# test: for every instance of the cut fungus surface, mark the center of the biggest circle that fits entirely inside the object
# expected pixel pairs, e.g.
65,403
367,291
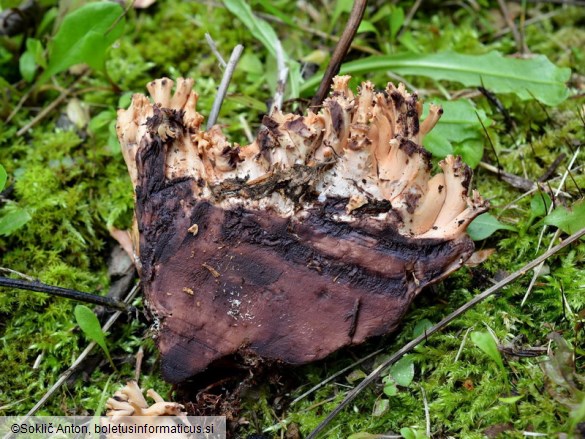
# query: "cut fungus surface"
316,236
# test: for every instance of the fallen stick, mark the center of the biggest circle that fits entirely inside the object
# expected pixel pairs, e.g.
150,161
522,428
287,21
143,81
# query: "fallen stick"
355,18
40,287
223,86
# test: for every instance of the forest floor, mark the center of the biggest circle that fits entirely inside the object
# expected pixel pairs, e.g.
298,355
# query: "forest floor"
506,367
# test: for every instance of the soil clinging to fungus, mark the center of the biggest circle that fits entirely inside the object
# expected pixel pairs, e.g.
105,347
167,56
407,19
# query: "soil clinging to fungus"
316,236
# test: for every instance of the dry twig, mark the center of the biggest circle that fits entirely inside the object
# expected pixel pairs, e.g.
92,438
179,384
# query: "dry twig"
427,413
18,273
282,74
510,22
213,48
335,375
409,17
542,232
40,287
341,49
223,86
47,110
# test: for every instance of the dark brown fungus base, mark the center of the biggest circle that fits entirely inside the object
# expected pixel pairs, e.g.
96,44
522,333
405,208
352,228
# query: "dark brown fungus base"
316,236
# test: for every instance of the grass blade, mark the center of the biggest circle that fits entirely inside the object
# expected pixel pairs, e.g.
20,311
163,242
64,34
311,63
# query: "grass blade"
264,33
535,78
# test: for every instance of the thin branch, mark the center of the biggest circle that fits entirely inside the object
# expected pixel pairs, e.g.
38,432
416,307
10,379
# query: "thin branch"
409,17
530,192
223,86
138,368
558,2
246,128
213,48
44,112
552,168
427,413
49,108
516,181
458,312
355,18
462,345
21,102
530,22
512,179
282,74
511,25
335,375
65,292
320,34
18,273
65,375
542,232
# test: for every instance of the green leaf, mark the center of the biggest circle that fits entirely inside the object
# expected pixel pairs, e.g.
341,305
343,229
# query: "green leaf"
31,59
90,325
485,225
13,219
3,178
380,407
459,131
248,102
46,24
421,326
260,29
356,375
460,120
403,371
408,433
539,207
437,144
27,66
276,12
341,6
410,42
264,33
35,47
471,151
569,220
487,344
101,120
95,420
540,204
363,435
411,433
367,26
511,399
103,398
85,36
390,388
534,78
578,413
396,22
